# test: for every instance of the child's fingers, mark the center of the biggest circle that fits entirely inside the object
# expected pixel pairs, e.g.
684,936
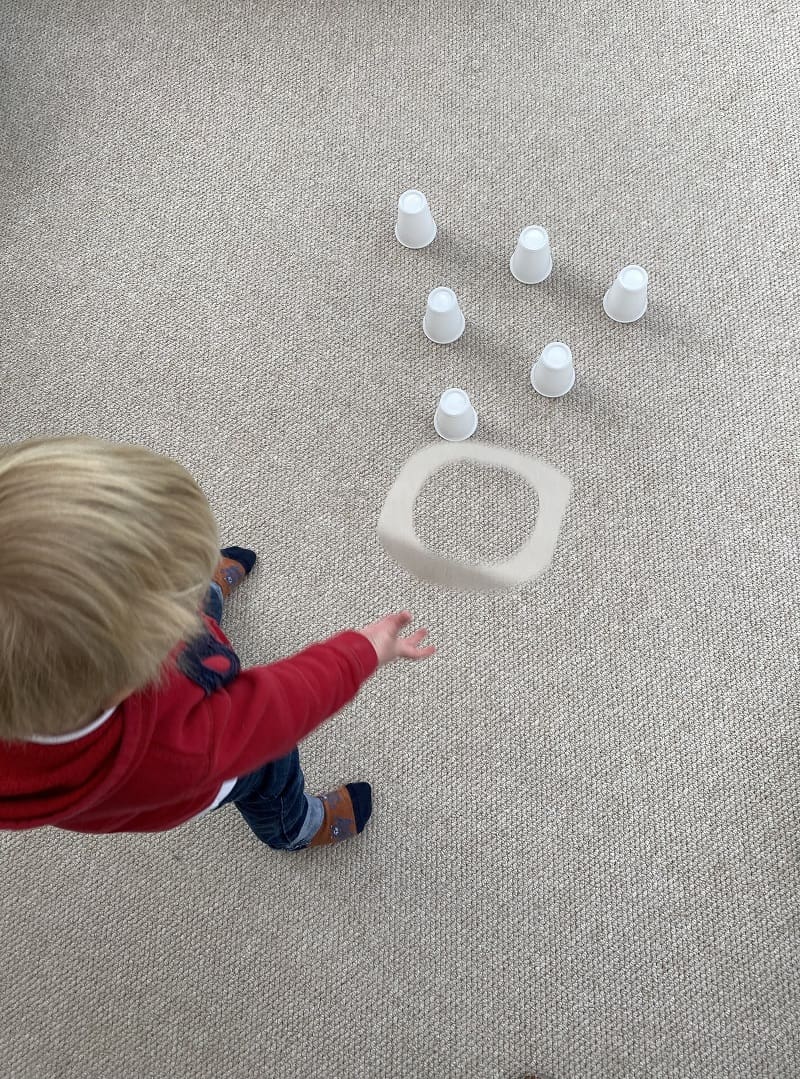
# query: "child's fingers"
410,645
398,621
422,653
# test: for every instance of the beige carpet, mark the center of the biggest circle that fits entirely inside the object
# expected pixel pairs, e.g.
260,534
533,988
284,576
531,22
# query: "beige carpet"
583,860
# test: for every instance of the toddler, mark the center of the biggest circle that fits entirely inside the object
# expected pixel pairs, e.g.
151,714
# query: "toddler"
123,706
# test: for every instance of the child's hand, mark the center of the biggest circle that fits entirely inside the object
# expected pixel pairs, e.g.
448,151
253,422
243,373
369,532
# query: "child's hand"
384,637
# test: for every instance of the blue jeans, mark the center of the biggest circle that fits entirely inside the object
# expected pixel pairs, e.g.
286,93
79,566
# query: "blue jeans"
272,799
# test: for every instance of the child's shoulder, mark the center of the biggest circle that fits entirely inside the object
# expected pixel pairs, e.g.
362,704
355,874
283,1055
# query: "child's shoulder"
209,660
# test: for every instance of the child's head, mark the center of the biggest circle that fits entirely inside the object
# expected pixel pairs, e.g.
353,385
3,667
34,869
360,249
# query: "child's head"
106,552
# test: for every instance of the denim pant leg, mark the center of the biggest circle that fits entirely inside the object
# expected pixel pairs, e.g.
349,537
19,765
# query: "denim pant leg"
272,799
273,802
213,602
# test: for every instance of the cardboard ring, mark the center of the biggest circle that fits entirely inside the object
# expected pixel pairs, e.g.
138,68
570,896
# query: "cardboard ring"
396,525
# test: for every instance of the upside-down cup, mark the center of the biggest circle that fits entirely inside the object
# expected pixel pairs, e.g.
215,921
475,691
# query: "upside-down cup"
455,419
553,374
444,320
626,300
415,225
532,261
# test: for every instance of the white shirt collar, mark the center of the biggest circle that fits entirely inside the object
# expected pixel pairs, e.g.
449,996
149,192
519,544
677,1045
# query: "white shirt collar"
73,736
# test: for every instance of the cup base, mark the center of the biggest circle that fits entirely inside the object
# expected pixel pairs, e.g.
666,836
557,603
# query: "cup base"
622,320
446,340
416,247
530,280
544,393
448,438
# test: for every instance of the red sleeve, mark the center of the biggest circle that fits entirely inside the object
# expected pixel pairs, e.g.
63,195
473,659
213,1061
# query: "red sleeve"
264,712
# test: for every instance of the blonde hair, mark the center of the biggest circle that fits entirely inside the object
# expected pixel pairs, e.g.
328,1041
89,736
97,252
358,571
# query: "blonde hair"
106,552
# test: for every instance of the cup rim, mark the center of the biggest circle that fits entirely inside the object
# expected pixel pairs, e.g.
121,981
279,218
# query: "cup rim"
569,360
533,228
639,270
453,390
412,191
442,288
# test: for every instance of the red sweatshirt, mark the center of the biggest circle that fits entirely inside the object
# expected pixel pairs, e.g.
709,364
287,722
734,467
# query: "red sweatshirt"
162,755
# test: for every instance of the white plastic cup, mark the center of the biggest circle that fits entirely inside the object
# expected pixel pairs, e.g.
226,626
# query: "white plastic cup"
444,320
455,419
415,225
532,261
553,374
626,300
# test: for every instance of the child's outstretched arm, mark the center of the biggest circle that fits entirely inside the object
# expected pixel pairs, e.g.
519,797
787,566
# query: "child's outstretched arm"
386,639
266,711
